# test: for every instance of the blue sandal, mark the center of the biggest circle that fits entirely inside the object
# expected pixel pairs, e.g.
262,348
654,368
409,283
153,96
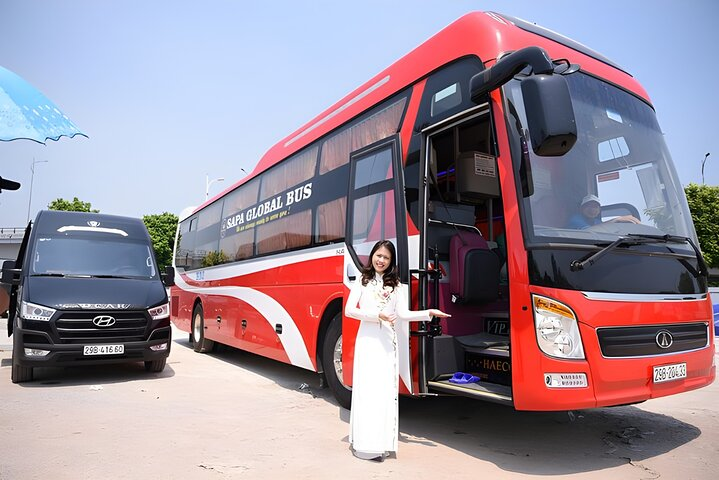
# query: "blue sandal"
462,378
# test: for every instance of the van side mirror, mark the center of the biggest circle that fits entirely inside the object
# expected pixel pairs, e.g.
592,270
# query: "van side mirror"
10,274
168,278
550,116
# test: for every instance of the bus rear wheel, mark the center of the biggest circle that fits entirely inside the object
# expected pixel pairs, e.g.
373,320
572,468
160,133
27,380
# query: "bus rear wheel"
332,362
199,342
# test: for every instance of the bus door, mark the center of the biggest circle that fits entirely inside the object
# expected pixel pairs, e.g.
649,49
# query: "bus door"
375,211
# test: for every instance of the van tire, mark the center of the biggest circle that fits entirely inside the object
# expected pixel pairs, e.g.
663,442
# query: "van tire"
156,366
331,342
199,342
20,374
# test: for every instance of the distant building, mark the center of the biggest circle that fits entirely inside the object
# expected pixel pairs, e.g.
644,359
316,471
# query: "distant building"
10,239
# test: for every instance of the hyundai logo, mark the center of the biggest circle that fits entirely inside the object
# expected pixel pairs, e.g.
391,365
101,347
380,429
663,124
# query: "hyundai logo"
664,339
103,321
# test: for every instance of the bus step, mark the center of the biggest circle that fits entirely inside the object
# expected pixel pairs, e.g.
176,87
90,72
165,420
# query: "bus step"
492,392
483,340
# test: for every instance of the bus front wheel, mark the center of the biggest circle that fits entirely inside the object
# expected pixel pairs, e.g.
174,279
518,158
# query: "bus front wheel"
199,342
332,362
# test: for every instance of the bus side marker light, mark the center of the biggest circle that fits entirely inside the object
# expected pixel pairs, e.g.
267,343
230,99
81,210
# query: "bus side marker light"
565,380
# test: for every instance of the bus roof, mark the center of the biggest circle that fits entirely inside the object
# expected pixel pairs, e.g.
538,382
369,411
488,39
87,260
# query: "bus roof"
483,34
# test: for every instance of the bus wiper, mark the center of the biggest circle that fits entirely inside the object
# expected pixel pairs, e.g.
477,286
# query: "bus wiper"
47,275
703,268
640,239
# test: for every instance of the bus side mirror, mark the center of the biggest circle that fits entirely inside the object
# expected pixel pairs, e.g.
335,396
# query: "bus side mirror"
550,116
168,278
10,274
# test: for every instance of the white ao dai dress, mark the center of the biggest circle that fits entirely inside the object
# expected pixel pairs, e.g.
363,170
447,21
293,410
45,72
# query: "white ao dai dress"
374,413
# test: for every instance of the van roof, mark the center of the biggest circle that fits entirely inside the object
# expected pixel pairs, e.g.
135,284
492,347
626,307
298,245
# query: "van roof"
55,221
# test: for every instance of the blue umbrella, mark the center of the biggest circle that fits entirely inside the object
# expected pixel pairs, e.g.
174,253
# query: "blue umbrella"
25,113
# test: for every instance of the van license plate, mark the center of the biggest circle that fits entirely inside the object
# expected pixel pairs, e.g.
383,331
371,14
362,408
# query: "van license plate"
667,373
103,350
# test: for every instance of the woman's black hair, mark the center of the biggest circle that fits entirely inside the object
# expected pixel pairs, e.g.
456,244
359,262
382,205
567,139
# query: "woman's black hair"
390,277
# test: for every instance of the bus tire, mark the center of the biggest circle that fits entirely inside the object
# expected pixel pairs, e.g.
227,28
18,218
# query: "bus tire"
156,366
199,342
20,374
332,362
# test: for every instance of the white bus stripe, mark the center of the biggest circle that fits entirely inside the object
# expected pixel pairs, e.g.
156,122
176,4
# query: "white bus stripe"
271,311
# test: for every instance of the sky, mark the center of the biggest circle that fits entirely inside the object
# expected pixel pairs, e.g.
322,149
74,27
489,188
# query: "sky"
173,92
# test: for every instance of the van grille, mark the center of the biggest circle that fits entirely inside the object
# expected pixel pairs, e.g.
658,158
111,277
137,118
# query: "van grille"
642,341
78,327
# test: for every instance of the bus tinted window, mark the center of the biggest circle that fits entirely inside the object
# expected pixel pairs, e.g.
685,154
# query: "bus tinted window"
331,220
286,233
207,240
289,173
448,97
336,150
186,243
237,243
374,168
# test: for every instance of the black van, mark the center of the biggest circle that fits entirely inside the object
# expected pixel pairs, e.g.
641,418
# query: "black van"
86,291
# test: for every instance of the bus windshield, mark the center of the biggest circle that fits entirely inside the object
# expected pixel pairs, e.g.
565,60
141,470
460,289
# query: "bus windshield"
618,178
81,256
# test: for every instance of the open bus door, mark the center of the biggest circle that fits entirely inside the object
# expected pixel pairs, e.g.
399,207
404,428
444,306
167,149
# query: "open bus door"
375,211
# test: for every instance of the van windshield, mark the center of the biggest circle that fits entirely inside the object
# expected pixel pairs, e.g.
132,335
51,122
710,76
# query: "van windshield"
92,256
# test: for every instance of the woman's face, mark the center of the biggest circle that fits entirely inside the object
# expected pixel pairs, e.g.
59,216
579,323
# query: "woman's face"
381,259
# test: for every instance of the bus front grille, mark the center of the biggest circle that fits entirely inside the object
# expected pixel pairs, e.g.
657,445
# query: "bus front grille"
650,340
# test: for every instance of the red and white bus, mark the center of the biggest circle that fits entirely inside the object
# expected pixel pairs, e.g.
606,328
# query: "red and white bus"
471,153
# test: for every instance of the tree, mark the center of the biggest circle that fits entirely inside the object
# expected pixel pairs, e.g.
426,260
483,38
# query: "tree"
162,230
704,206
75,205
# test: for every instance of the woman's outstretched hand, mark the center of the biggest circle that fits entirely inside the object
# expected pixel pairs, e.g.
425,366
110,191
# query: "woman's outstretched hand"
433,312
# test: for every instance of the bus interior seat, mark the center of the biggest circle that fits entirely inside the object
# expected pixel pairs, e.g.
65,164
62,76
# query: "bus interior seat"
474,269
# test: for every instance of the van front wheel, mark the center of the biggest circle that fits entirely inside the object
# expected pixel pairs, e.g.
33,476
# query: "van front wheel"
19,373
156,366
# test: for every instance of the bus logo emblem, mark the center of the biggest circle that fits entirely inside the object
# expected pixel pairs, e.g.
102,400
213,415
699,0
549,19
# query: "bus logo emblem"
664,339
93,223
103,321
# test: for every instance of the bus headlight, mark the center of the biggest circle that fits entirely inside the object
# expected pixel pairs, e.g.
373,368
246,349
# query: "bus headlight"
557,329
30,311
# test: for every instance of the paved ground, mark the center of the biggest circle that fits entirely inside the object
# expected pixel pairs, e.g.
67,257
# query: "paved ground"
236,415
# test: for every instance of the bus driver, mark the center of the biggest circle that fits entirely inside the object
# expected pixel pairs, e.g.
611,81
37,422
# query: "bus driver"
590,214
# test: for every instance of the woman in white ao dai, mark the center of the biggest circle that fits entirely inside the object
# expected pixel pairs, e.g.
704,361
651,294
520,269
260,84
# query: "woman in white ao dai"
377,299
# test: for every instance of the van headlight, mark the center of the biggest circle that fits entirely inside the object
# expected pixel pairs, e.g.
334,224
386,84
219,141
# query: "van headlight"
158,313
31,311
557,329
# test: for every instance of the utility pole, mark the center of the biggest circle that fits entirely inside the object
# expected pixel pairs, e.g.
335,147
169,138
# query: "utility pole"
209,182
703,162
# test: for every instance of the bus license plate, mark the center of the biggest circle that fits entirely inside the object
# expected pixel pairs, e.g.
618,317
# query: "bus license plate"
667,373
103,350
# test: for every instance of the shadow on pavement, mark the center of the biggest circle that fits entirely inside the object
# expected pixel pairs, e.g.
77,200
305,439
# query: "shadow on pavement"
538,443
543,443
